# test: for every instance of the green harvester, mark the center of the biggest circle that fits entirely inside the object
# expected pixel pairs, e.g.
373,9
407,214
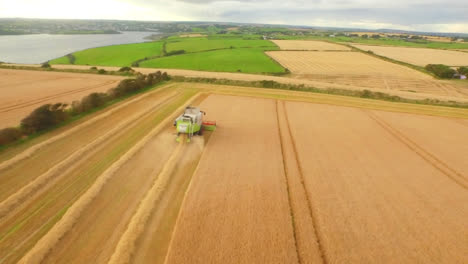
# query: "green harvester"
191,123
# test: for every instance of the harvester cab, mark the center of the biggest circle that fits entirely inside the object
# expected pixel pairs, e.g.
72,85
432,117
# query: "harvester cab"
191,123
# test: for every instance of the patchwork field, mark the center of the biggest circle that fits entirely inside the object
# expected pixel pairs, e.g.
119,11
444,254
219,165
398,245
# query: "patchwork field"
419,56
361,70
23,91
214,53
287,177
117,55
308,45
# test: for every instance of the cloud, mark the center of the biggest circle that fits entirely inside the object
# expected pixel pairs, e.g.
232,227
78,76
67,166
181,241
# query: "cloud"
437,15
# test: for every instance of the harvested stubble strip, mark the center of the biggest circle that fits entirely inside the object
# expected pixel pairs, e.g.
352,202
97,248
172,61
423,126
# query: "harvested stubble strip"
126,246
46,177
30,151
48,241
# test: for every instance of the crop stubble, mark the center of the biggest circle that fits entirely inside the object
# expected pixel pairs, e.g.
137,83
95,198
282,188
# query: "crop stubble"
419,56
44,209
38,160
358,69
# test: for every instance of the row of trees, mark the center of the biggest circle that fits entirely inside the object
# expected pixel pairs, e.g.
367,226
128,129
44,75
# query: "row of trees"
50,115
445,72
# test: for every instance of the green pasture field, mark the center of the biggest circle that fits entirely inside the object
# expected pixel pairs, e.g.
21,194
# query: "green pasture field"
118,55
246,60
228,53
203,44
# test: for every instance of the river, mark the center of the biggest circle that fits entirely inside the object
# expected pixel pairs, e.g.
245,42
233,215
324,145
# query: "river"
40,48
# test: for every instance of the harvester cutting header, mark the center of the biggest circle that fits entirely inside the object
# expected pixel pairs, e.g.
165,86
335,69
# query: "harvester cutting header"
191,123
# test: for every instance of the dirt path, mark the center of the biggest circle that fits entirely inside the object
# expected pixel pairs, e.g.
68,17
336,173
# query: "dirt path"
23,91
236,209
377,200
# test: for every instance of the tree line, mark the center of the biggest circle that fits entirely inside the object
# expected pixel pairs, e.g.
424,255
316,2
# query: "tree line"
445,72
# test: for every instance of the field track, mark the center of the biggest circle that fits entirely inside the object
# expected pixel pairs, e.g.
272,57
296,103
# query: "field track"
308,243
23,91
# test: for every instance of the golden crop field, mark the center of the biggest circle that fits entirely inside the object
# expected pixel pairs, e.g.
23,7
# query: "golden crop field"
360,70
419,56
287,177
308,45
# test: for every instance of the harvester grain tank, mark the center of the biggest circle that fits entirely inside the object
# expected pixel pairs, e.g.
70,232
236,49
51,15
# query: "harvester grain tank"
191,123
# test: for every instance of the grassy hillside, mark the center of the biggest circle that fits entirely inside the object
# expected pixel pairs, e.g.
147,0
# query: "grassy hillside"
245,60
230,53
118,55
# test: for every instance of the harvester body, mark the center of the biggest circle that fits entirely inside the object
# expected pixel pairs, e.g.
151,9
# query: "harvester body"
190,122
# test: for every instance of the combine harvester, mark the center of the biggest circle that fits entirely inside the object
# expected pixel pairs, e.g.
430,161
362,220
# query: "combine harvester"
191,123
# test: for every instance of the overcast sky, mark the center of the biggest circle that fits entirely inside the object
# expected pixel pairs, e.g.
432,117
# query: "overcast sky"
420,15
